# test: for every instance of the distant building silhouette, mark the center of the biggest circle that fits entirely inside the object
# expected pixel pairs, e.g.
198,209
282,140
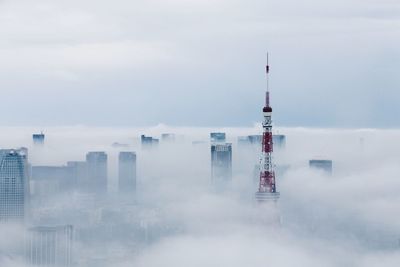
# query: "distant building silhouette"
127,172
14,184
38,139
221,164
79,175
96,172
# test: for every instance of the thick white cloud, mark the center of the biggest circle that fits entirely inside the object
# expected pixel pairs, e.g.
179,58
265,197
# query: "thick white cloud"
347,219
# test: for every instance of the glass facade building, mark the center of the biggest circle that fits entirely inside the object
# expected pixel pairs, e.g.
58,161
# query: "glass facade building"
14,184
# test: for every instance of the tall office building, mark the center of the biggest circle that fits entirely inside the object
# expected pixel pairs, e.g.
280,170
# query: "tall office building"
96,163
38,139
221,164
127,172
14,184
49,246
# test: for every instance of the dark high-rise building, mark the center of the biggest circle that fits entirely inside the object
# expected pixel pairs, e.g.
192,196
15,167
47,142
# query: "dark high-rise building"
96,172
217,137
38,139
325,165
50,246
221,164
14,184
127,172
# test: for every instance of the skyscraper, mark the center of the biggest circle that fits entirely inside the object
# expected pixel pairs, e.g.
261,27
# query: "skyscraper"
221,164
50,246
127,172
14,184
96,172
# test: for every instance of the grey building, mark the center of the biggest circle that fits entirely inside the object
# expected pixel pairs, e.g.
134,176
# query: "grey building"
38,139
49,246
79,174
14,184
221,164
127,172
325,165
96,163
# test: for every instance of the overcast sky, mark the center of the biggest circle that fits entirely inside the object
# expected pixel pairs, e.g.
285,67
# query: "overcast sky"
199,62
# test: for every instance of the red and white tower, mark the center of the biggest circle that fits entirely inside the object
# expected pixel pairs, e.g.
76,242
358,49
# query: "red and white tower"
267,187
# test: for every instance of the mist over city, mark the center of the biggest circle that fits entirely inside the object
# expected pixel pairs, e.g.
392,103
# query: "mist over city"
199,133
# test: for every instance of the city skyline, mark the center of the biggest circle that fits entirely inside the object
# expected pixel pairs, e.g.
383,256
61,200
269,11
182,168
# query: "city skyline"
199,133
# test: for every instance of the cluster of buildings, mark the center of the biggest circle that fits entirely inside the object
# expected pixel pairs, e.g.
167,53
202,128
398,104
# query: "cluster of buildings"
27,193
49,242
88,176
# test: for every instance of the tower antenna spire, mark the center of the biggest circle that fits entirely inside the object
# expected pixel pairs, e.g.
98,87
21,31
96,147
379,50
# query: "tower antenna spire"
267,76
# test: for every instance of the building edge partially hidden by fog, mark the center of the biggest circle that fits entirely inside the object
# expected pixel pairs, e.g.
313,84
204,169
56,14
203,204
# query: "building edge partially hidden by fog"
127,172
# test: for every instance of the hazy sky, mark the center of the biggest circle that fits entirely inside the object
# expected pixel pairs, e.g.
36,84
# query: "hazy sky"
199,62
